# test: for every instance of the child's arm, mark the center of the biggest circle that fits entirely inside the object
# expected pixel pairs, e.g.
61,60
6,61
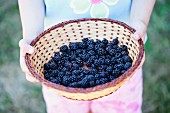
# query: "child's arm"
140,14
32,18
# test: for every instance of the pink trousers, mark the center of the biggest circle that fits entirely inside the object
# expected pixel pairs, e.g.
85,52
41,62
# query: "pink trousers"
127,99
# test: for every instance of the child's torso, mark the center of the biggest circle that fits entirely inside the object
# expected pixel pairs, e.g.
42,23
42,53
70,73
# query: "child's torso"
62,10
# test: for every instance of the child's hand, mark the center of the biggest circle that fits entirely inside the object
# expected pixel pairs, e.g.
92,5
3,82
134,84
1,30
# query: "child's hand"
140,28
25,48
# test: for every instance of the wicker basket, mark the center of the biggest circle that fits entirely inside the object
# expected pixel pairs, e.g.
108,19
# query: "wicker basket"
73,31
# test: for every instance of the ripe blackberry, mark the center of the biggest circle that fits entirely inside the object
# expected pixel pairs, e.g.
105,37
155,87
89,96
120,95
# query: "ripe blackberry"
46,66
107,61
91,52
96,62
64,48
98,42
78,51
65,69
123,48
85,57
97,76
102,75
115,46
112,52
90,78
61,74
73,46
73,78
115,41
58,80
123,71
85,40
53,65
57,54
97,82
109,69
91,47
82,45
74,85
101,51
119,60
101,45
85,71
101,61
117,55
75,66
91,84
91,42
127,59
84,82
93,66
112,78
93,71
105,41
103,80
65,80
123,53
108,57
127,65
80,77
119,50
75,72
89,63
116,73
72,57
120,66
68,73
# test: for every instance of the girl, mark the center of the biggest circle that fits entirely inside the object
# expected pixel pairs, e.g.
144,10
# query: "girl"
37,15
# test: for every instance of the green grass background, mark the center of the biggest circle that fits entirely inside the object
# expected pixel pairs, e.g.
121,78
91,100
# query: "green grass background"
19,96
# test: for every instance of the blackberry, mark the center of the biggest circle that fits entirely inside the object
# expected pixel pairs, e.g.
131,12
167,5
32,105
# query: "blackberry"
79,62
97,82
56,54
68,73
102,67
73,78
120,66
117,55
115,41
101,61
112,78
46,75
75,72
91,47
58,80
53,65
65,80
61,74
112,52
101,51
119,60
127,59
107,61
60,67
93,66
123,53
108,57
85,71
67,65
81,76
72,57
84,82
105,41
91,52
75,66
64,69
123,48
85,57
90,78
91,42
78,51
97,76
74,85
82,45
93,71
109,69
119,50
64,48
73,46
101,45
102,75
85,40
96,62
103,80
98,42
116,73
92,83
89,63
64,54
109,45
46,66
127,65
123,71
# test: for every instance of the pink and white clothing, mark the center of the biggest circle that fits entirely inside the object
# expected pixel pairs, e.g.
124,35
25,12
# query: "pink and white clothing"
127,99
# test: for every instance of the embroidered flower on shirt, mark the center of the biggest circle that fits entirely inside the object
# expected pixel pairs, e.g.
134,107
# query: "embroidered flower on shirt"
98,8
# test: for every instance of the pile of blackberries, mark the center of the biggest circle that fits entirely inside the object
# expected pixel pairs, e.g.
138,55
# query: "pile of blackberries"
88,63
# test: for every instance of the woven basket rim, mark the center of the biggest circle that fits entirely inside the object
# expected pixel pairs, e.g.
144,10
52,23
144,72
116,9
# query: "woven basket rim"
92,89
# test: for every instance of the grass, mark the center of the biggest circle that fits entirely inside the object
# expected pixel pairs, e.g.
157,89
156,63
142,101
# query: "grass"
19,96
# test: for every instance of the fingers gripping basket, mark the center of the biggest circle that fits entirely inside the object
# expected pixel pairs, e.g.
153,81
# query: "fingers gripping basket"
73,31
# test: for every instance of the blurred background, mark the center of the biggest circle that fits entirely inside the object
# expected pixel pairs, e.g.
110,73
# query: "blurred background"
20,96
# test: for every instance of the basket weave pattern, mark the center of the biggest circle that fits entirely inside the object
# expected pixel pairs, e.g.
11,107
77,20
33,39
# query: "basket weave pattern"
73,31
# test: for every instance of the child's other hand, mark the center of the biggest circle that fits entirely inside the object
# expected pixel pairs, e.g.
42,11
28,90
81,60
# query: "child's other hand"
140,28
25,48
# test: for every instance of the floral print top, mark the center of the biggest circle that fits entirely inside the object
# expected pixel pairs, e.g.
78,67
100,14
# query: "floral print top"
62,10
